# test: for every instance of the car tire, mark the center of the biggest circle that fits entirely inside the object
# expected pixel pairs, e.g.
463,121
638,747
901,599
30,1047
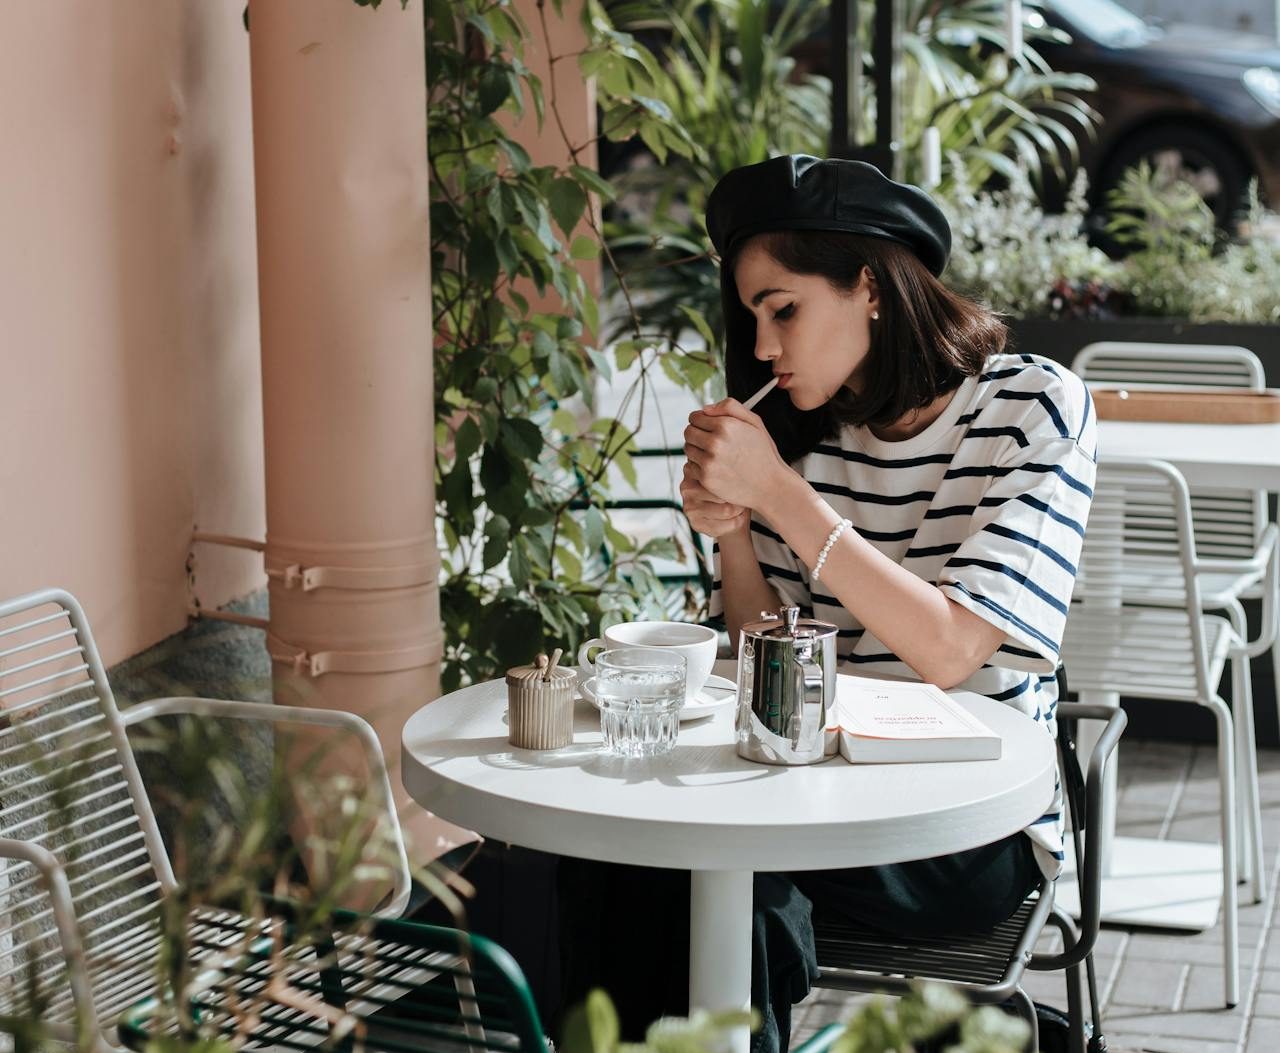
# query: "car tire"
1208,160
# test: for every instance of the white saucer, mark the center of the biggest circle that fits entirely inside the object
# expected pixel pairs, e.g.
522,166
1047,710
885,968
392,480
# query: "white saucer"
716,694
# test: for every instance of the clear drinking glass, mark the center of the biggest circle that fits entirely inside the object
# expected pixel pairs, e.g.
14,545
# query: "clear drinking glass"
640,691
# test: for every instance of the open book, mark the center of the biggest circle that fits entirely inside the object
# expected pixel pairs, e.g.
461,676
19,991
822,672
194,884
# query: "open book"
894,721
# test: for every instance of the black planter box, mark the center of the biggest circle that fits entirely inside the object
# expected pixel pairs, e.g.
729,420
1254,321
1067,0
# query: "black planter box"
1061,340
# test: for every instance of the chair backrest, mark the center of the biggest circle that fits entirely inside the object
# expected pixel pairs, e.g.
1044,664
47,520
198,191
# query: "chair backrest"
69,786
1228,523
1169,365
1135,624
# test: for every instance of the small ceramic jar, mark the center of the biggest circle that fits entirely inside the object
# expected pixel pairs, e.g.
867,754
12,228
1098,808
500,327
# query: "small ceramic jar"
540,712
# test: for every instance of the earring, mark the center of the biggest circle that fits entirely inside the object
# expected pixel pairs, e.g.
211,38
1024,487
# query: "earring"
875,316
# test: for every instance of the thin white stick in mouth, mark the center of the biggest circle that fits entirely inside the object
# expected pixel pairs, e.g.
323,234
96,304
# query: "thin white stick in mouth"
751,402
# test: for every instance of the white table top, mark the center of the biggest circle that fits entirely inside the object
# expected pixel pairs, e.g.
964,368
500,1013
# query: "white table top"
703,807
1226,455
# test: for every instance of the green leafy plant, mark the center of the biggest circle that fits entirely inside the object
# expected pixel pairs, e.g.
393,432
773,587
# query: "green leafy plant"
997,115
1180,264
1173,233
523,464
306,835
732,81
1024,262
593,1027
729,78
226,837
882,1025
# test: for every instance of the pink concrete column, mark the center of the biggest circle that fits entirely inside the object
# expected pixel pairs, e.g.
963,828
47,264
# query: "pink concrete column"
340,151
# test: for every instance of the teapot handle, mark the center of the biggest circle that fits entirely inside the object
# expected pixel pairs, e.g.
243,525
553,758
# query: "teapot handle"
806,723
795,719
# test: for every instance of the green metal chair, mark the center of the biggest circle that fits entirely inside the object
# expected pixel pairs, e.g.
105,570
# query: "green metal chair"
822,1041
405,986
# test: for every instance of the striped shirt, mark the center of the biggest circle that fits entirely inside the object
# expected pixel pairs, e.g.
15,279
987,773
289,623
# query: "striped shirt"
989,503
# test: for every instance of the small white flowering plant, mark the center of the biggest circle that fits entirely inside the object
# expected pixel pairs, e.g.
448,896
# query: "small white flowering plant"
1020,260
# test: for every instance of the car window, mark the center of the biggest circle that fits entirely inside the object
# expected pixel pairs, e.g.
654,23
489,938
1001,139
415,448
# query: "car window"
1103,21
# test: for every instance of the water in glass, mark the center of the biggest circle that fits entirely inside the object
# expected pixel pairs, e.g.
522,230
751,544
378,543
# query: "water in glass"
640,692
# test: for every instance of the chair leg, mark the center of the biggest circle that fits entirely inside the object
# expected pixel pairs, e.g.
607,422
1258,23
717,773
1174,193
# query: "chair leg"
1227,785
1027,1010
1247,759
1244,844
1078,1039
1252,860
1275,672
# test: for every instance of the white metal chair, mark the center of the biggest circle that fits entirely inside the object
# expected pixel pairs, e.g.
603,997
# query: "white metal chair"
1123,363
1158,642
82,866
1233,536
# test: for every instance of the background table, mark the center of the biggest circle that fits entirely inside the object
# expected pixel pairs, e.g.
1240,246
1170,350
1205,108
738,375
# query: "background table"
1162,883
1244,456
705,809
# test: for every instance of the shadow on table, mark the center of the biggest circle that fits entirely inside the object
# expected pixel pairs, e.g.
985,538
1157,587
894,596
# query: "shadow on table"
686,765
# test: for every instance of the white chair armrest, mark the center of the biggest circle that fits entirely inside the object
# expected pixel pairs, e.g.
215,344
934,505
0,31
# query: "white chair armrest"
1266,558
64,919
1270,626
1262,556
326,718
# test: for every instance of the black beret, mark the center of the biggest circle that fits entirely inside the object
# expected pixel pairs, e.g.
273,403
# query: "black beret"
799,192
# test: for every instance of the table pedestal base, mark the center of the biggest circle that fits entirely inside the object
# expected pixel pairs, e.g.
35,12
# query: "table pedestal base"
720,912
1154,884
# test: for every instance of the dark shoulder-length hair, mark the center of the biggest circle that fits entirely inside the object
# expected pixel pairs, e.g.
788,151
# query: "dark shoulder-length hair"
927,341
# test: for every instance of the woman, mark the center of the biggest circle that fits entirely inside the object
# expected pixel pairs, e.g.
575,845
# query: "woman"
908,481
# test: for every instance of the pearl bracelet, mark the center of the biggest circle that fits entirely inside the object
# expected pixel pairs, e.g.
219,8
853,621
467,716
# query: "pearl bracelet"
836,531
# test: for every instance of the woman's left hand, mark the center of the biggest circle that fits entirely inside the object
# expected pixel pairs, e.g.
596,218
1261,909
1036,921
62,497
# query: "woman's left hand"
732,454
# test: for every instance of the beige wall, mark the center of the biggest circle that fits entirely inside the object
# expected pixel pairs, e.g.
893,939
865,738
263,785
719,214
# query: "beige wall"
130,396
130,387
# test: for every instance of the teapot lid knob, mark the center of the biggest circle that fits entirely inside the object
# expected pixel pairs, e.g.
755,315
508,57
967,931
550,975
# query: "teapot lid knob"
790,614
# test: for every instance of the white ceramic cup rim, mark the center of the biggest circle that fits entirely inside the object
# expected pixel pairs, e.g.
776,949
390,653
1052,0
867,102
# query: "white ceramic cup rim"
684,638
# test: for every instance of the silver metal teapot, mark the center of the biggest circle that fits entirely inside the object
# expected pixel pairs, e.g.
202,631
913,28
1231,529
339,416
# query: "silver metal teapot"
786,682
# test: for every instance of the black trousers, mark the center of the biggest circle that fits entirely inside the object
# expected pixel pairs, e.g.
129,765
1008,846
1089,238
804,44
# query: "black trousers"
515,905
626,929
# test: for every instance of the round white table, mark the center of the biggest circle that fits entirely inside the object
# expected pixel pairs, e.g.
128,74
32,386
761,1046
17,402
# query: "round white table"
704,809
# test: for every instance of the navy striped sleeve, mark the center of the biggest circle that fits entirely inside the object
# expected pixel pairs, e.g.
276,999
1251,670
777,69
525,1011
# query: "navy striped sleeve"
1017,568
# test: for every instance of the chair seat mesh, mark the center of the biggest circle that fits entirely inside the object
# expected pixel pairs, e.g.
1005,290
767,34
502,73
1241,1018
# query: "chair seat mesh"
982,958
264,991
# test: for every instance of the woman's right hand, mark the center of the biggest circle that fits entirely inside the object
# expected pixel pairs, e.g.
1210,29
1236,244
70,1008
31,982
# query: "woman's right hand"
709,515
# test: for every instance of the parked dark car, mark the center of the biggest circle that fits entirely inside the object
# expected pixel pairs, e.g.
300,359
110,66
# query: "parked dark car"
1199,101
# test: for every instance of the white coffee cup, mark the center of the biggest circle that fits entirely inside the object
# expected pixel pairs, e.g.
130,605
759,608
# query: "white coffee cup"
696,642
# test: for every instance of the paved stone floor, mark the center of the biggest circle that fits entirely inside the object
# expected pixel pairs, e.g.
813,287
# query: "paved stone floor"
1162,991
